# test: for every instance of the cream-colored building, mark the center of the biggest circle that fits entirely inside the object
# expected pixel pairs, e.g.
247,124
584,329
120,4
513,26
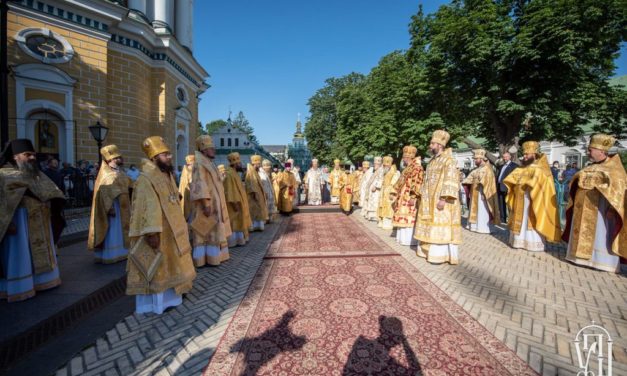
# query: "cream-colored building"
126,64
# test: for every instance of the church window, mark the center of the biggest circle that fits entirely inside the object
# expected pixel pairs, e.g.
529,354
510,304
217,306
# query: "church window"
222,141
229,142
44,45
237,142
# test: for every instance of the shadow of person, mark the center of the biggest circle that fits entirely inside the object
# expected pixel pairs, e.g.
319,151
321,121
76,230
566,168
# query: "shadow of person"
373,356
263,348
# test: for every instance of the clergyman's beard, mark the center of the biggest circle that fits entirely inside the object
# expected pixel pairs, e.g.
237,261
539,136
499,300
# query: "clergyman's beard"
27,168
527,162
165,167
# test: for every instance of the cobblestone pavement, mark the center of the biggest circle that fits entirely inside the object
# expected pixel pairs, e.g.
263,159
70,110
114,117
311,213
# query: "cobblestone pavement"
178,342
534,302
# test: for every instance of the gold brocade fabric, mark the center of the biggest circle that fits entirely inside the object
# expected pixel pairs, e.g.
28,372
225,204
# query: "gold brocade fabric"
536,179
235,193
110,185
441,180
386,200
337,178
406,192
357,176
184,187
156,209
207,189
609,180
483,177
256,196
287,189
346,193
275,188
34,194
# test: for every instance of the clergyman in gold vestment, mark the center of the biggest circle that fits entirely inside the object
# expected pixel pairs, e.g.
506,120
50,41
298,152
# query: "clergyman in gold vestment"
184,185
533,215
596,231
286,183
386,211
484,202
160,267
29,205
336,181
438,223
256,195
346,192
405,195
209,210
110,209
237,202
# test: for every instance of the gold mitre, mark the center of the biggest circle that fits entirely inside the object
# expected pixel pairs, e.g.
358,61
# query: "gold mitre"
204,142
233,157
409,151
530,147
387,161
221,168
255,159
266,163
315,160
365,164
602,141
479,153
336,161
190,159
441,137
110,152
154,145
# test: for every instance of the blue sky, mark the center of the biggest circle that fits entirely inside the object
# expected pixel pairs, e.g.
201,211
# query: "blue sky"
267,58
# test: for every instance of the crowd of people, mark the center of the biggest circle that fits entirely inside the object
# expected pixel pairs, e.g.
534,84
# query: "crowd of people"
166,229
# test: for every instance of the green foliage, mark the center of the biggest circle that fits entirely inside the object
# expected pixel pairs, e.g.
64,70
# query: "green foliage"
214,125
506,71
240,122
201,130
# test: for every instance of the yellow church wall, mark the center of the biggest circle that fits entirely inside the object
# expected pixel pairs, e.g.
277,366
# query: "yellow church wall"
31,94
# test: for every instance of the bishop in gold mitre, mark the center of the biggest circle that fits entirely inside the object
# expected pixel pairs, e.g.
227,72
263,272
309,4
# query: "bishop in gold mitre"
110,209
531,198
265,173
337,179
438,223
596,231
386,211
30,204
256,195
484,203
346,192
237,201
405,196
357,175
209,215
184,186
160,267
286,184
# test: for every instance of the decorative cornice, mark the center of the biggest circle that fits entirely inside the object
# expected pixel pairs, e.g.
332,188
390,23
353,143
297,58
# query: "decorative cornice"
58,12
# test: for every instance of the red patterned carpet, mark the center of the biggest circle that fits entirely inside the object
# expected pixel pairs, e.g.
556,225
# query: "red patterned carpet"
336,315
325,234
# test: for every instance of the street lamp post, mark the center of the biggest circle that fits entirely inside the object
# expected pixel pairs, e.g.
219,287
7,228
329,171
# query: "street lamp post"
99,133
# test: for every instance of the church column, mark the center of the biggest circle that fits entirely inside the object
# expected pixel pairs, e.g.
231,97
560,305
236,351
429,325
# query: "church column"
163,21
184,22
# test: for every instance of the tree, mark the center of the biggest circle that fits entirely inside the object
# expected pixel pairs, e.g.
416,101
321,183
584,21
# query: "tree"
201,130
240,122
321,126
214,125
523,69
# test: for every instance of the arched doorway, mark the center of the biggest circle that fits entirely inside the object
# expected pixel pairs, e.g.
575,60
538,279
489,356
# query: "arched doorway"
47,130
181,150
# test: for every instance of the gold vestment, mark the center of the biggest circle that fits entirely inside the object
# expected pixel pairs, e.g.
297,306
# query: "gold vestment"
385,201
357,175
337,179
347,192
235,194
406,192
537,179
483,177
110,185
608,180
256,196
156,209
441,180
287,186
184,186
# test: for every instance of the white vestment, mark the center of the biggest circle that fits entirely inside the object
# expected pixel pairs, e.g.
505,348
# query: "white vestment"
268,190
483,215
528,239
374,196
363,196
313,183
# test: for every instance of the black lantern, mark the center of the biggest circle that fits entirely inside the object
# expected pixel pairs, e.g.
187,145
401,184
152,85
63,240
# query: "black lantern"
99,133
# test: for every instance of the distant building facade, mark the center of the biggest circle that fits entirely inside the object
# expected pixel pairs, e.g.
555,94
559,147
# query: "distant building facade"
298,150
277,151
229,138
